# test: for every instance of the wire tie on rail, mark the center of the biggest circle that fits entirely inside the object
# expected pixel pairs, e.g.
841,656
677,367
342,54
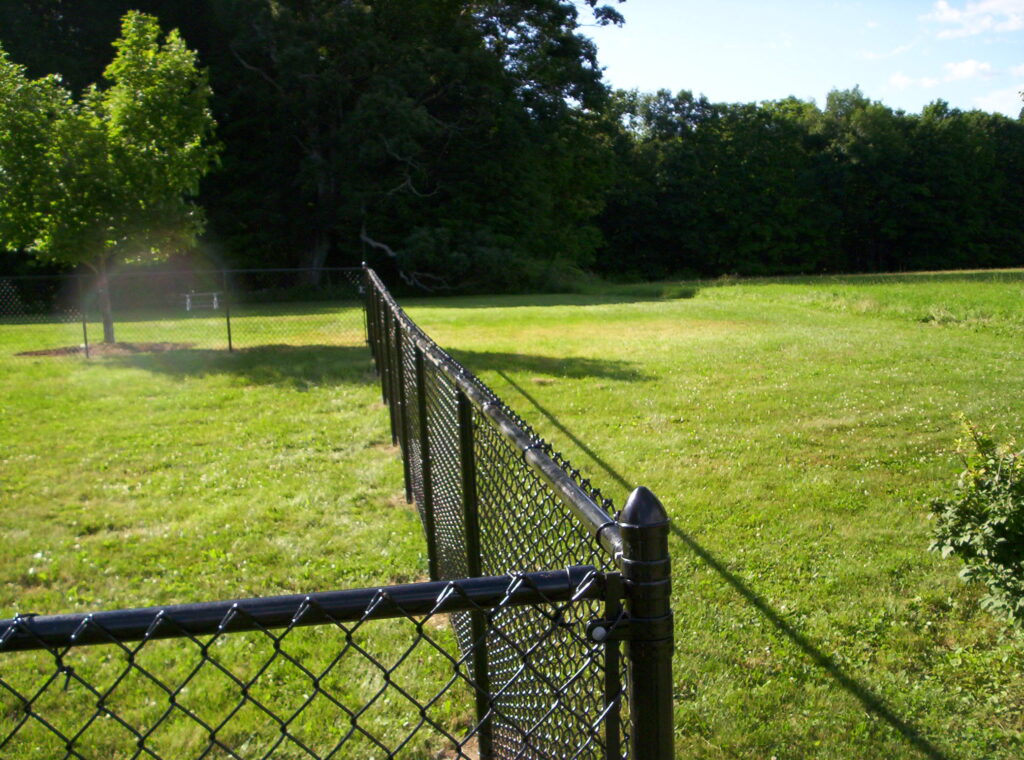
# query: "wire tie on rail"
540,445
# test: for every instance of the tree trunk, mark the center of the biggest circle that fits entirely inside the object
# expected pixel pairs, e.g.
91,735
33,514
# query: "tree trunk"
315,258
325,214
103,291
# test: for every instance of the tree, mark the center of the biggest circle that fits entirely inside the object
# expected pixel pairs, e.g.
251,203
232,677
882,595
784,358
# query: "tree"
454,138
110,175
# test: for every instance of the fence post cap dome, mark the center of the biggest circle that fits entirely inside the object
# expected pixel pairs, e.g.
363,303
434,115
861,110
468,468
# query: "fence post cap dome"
643,508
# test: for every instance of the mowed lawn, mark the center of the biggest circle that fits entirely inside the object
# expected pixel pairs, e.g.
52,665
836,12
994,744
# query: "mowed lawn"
795,431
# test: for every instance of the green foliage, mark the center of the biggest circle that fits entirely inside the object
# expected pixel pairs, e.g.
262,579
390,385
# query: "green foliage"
983,524
112,172
458,143
440,137
785,187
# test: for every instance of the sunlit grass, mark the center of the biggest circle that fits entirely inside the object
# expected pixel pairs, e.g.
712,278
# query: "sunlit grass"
795,430
198,475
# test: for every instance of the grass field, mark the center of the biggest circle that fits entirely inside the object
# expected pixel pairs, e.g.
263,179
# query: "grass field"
795,430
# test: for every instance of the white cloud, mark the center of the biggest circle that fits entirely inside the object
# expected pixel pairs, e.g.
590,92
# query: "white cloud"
899,50
968,69
1002,101
977,17
873,25
900,81
1017,71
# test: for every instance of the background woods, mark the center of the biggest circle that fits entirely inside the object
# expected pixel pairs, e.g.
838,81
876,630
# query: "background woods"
474,145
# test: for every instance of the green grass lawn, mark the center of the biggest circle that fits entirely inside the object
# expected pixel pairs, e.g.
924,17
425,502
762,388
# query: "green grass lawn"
794,429
152,479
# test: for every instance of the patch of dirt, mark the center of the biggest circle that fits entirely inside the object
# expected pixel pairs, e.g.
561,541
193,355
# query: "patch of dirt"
469,750
110,349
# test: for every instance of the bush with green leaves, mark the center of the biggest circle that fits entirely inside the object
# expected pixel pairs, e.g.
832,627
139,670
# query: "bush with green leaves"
983,523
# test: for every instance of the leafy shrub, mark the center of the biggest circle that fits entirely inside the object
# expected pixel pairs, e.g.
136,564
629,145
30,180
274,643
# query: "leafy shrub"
983,523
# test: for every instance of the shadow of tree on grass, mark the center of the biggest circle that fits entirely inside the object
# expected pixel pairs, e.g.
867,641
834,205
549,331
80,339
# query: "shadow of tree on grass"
300,367
310,366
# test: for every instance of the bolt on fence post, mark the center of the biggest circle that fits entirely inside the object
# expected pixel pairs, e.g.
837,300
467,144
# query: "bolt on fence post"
81,308
227,307
646,569
426,474
478,621
403,410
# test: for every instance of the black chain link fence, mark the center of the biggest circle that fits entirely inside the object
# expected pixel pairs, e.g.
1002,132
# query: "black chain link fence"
499,655
165,310
248,679
494,497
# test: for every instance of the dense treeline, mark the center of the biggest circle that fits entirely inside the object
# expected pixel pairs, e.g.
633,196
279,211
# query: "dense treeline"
475,144
786,187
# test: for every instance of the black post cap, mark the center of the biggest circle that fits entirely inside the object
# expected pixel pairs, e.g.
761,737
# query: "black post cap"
643,509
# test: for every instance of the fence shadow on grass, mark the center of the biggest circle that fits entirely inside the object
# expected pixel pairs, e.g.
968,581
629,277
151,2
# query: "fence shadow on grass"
572,368
311,366
871,702
301,367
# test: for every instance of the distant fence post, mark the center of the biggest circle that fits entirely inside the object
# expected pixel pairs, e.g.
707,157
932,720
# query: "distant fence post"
426,466
227,307
82,309
646,571
403,410
478,620
387,375
365,290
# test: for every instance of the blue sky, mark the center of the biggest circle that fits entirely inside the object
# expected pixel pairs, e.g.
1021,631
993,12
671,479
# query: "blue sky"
905,53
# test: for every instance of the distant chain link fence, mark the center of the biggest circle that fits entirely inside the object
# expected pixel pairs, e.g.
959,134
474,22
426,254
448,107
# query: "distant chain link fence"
500,655
165,310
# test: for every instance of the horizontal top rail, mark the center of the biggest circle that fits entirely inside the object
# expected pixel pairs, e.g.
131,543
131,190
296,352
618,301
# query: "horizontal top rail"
26,632
535,450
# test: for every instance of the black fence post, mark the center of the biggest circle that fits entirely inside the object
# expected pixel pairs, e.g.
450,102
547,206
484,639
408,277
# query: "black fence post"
387,376
227,307
613,611
426,474
646,569
478,619
82,309
403,410
393,379
364,283
374,321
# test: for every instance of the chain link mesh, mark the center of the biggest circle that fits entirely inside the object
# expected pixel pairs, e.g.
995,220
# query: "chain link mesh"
41,311
501,681
386,684
524,525
166,310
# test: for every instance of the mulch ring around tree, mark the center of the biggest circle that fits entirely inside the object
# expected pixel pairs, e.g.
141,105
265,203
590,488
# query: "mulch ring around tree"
109,349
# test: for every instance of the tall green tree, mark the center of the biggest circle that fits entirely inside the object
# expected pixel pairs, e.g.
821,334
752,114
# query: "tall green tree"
447,136
110,175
